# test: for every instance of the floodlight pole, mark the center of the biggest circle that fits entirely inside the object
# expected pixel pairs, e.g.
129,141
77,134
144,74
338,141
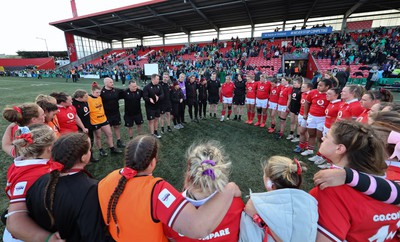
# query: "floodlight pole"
45,41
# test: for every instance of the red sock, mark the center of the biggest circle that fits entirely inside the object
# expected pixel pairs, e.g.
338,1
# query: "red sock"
223,113
229,112
259,117
264,118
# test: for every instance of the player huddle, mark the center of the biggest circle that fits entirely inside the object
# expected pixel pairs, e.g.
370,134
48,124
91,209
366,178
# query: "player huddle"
53,198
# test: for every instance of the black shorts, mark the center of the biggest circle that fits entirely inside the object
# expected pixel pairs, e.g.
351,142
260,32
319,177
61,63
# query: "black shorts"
213,100
114,120
239,100
165,108
295,110
129,119
98,126
152,113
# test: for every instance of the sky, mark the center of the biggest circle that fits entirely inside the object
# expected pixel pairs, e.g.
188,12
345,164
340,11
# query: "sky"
23,22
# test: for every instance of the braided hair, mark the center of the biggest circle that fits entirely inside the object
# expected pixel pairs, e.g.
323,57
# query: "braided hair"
138,155
67,150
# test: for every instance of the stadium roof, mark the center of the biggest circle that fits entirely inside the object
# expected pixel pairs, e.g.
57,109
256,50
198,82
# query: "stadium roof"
160,17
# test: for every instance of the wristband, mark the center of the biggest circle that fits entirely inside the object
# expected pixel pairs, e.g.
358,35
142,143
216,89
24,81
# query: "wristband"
48,237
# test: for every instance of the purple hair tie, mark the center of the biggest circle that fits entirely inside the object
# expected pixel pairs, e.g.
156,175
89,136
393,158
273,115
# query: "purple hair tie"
210,173
210,162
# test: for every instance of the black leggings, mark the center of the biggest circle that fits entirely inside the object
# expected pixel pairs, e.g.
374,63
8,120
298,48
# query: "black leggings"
196,109
202,107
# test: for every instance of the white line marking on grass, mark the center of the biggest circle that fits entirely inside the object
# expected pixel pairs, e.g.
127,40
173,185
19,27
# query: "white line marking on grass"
5,88
39,85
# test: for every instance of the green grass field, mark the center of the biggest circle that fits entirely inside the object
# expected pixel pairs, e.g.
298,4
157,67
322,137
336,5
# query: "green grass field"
246,145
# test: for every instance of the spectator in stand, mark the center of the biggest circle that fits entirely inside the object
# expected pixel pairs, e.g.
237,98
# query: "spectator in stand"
133,108
67,116
213,86
227,90
351,109
251,88
99,121
191,98
372,77
207,173
263,89
273,103
239,97
152,95
353,145
343,76
283,104
329,75
294,106
306,87
80,102
130,200
314,113
110,97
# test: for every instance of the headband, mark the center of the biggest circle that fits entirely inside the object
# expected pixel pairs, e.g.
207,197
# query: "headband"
18,109
298,166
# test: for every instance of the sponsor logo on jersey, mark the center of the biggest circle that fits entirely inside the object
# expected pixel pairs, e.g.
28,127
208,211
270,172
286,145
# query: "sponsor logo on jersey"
386,217
70,115
85,109
19,188
166,197
320,102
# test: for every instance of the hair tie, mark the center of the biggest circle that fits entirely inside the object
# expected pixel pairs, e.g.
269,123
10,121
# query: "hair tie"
210,162
128,172
56,166
94,84
27,137
298,166
18,109
24,129
209,172
394,138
